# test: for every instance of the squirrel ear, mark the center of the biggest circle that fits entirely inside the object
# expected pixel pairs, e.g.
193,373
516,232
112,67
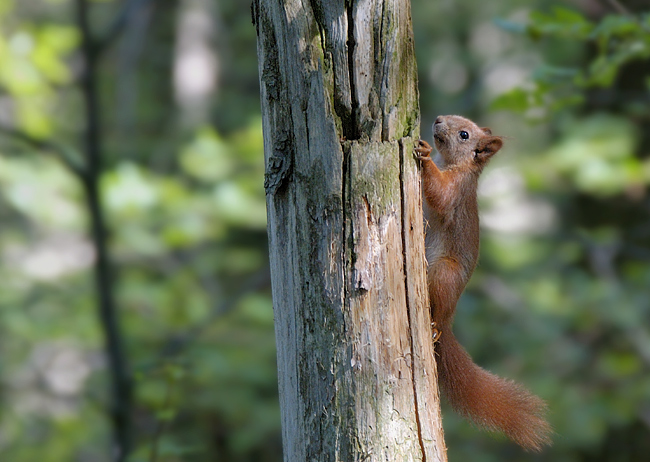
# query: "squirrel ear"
487,147
486,130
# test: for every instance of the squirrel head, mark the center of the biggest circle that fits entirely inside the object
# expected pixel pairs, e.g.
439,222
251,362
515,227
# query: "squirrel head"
462,143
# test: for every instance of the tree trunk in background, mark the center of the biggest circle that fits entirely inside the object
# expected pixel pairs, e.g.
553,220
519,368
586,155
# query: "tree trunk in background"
340,116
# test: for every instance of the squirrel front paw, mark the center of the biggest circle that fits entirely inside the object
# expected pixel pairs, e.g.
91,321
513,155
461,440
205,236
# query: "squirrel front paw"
423,150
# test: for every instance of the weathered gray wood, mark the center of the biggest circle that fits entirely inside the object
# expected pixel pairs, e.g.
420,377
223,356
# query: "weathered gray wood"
425,378
340,116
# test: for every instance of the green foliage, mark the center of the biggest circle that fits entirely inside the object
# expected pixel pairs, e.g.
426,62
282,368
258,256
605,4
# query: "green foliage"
187,235
618,39
562,22
597,154
32,65
559,301
229,358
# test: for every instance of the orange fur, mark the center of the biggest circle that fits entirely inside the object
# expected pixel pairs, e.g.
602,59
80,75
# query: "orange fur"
452,241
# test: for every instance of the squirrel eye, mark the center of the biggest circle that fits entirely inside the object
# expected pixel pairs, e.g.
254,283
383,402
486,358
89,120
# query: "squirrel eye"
464,135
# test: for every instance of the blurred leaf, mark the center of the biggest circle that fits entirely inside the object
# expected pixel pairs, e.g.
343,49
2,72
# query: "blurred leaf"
258,309
510,26
616,364
6,7
238,206
516,100
549,74
166,415
20,76
615,25
207,157
562,22
127,190
597,154
174,372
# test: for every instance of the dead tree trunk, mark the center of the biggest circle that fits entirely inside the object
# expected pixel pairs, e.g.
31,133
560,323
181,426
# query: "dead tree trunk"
340,116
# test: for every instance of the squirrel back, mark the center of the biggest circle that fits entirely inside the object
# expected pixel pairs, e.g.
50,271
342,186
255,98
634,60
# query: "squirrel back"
451,215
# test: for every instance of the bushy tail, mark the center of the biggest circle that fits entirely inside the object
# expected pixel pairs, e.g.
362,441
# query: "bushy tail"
490,401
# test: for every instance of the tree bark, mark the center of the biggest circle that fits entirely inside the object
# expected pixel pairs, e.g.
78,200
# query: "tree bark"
340,116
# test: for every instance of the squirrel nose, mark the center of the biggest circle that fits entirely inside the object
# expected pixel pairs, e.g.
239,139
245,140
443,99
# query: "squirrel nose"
438,120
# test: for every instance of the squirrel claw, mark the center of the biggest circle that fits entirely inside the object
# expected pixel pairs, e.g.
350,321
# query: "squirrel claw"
435,333
423,149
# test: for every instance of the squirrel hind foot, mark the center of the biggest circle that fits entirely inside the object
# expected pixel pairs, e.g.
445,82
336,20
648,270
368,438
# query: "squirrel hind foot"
435,333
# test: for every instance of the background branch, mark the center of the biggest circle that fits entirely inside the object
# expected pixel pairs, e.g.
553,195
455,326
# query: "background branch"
68,156
619,7
119,23
121,380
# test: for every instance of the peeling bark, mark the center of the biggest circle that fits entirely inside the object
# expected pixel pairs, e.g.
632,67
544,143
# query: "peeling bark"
340,116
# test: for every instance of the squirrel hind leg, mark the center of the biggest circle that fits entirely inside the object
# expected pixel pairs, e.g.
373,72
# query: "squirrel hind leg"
446,283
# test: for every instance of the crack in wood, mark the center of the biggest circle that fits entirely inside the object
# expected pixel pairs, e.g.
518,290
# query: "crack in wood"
408,295
351,129
279,165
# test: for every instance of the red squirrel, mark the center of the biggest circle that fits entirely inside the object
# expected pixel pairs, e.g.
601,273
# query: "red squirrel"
452,248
